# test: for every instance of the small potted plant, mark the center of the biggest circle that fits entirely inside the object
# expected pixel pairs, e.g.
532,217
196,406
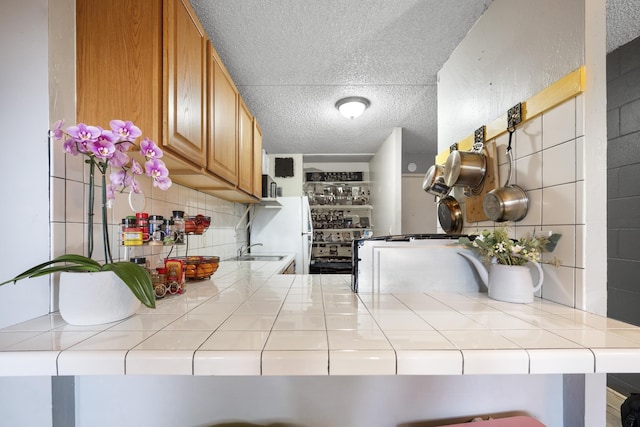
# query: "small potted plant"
508,278
85,300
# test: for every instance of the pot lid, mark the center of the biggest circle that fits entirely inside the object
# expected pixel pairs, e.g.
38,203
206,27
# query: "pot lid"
452,168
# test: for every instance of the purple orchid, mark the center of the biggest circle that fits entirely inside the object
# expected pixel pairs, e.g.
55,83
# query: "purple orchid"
83,133
104,146
119,159
162,183
125,131
117,177
149,149
124,146
108,150
156,168
134,185
136,169
58,133
111,191
112,148
71,147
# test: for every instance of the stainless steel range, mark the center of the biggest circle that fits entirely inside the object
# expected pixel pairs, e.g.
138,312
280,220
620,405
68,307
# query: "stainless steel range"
410,263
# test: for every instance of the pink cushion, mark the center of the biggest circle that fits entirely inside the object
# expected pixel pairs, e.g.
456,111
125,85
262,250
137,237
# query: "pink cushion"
519,421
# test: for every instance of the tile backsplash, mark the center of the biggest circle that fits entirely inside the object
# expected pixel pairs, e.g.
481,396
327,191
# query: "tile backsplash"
548,153
68,203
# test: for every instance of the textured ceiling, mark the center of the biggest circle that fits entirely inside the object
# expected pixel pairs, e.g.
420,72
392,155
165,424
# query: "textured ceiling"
293,59
623,22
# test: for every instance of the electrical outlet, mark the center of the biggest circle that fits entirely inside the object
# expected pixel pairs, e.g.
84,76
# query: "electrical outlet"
543,233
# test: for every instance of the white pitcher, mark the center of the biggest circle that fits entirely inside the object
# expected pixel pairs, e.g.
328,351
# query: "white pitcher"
510,283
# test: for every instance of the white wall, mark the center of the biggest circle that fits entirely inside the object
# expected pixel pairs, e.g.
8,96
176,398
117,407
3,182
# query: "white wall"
291,186
385,172
419,208
515,50
24,171
24,163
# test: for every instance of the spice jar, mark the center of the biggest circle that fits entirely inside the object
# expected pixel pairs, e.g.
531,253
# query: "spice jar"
131,234
143,224
156,231
160,288
178,226
169,233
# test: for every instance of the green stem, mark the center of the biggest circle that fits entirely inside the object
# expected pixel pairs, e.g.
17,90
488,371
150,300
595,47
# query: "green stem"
105,223
92,167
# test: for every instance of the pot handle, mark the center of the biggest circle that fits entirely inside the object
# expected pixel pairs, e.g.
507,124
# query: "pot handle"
540,276
510,154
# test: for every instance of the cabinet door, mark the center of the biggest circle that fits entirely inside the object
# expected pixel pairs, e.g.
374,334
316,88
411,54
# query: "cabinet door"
118,67
185,77
257,159
222,158
245,148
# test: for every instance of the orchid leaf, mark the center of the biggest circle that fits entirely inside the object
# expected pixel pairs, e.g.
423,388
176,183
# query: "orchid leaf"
137,279
134,276
72,263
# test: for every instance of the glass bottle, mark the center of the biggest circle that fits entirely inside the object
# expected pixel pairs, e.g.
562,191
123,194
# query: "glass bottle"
178,226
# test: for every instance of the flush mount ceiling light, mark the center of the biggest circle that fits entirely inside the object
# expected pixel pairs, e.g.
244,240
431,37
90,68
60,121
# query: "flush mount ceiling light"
352,106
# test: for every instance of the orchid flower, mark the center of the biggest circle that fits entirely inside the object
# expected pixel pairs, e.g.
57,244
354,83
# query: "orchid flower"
119,159
156,168
117,177
112,148
149,149
103,147
58,133
83,133
162,183
136,169
70,146
125,131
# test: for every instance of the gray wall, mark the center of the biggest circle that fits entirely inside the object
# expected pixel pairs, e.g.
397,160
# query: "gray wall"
623,199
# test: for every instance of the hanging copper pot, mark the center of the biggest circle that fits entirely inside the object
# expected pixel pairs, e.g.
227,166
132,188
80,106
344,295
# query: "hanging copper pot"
508,203
450,215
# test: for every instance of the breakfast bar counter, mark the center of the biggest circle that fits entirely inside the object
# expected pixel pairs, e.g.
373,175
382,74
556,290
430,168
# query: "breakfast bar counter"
249,320
250,329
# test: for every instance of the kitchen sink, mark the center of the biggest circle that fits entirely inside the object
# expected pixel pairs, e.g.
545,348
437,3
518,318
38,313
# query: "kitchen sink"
250,257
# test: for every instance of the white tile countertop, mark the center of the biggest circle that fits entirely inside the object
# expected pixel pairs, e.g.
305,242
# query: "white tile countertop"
249,320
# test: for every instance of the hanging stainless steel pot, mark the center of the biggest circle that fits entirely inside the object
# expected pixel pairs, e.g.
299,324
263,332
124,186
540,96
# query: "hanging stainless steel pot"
508,203
450,215
433,182
465,169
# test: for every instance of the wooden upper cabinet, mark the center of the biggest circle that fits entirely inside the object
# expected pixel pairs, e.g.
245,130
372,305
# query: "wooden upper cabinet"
151,62
222,158
119,63
245,148
257,159
185,56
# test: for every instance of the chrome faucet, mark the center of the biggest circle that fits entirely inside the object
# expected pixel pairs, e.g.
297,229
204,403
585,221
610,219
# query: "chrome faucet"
244,249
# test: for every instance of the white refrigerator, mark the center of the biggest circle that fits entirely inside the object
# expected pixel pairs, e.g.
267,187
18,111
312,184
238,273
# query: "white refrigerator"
284,229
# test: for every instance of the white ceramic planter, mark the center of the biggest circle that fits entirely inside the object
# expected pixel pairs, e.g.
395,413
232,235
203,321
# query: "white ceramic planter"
513,283
510,283
95,298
